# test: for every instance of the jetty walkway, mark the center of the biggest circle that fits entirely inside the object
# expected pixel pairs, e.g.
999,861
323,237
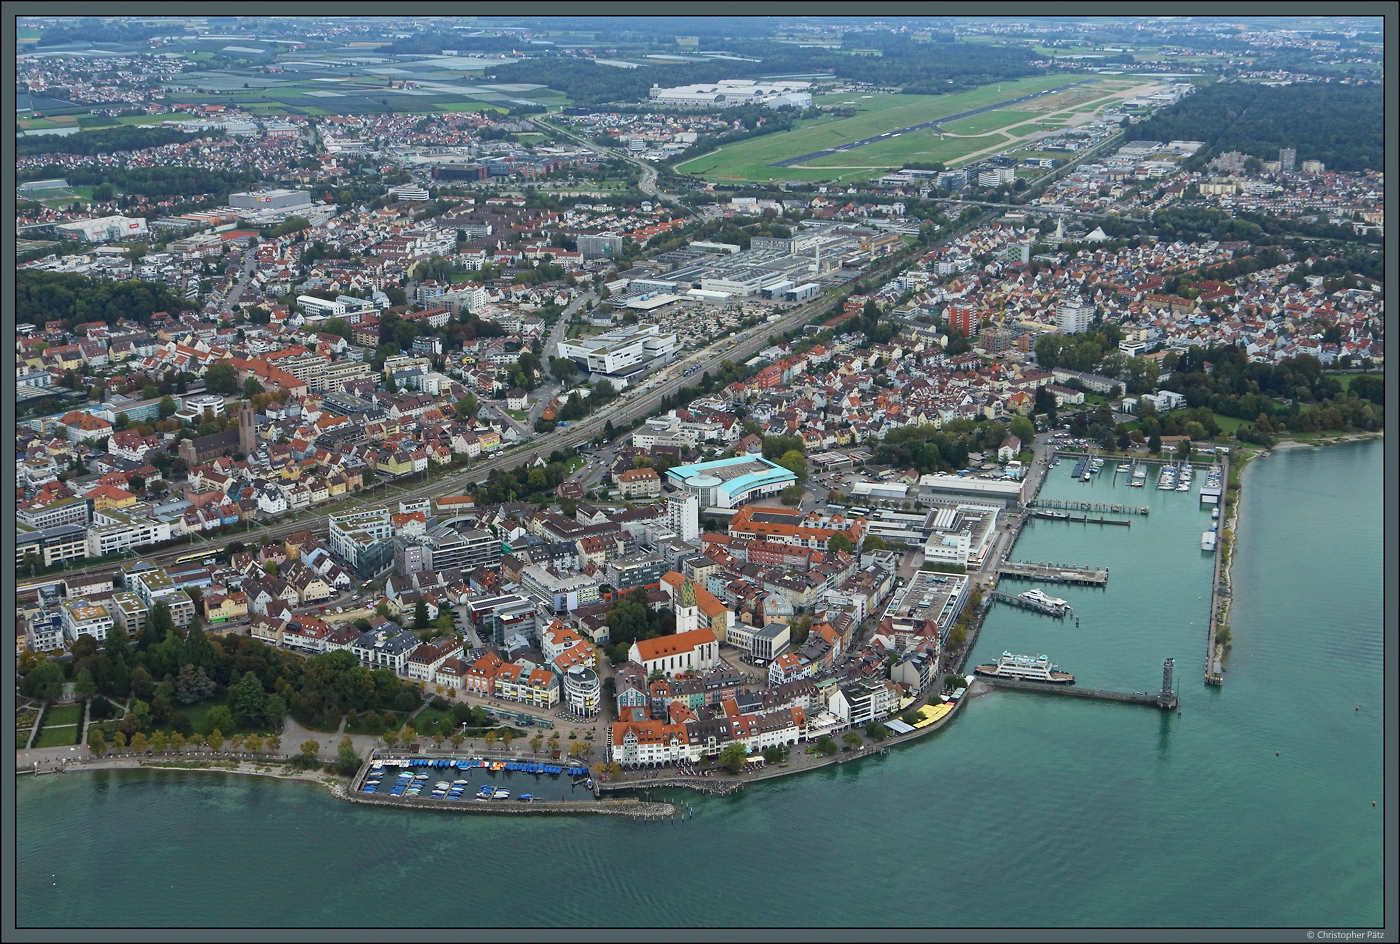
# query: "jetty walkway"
1100,507
1152,699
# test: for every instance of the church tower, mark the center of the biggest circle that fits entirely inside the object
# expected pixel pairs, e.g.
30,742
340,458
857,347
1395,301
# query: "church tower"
687,612
247,431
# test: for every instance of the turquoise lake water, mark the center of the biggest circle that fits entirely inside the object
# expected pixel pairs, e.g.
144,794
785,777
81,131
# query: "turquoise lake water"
1028,810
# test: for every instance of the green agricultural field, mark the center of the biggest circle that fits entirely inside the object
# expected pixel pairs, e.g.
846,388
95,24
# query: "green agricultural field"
153,119
467,106
749,160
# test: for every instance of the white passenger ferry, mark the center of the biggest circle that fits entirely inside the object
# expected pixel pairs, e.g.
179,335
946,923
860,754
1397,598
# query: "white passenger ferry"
1025,668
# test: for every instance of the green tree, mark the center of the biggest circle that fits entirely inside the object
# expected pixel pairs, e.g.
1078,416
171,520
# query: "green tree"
1023,429
733,757
159,624
851,739
275,715
247,700
309,750
220,378
96,742
467,407
251,388
338,326
420,615
872,542
346,756
215,740
838,544
1154,444
794,462
86,687
219,718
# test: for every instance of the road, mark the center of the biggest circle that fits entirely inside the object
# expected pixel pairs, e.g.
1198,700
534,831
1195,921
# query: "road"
646,185
250,260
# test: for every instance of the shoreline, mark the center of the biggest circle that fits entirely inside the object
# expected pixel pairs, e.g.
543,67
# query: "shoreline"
339,787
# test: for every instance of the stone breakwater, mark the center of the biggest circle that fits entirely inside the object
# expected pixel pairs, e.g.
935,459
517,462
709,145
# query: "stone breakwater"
620,806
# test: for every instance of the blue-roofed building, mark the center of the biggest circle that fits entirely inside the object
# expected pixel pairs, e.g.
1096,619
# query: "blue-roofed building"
729,483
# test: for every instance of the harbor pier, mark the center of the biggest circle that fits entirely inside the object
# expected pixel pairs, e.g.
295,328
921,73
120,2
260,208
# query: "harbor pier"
1054,573
1214,672
1057,609
1166,699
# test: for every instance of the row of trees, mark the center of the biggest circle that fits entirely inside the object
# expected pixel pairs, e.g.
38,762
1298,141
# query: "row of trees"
75,299
166,669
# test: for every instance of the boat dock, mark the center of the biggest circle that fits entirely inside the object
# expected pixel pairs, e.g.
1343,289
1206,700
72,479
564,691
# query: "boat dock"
1081,519
1131,698
1088,506
1057,611
1054,573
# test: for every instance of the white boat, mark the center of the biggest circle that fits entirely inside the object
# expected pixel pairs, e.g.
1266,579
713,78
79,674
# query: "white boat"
1028,668
1215,513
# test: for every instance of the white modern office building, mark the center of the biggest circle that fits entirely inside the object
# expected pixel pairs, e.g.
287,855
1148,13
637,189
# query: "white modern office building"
619,351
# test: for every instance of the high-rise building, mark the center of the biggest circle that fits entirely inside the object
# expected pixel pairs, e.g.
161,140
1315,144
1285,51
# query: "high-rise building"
1074,315
1287,159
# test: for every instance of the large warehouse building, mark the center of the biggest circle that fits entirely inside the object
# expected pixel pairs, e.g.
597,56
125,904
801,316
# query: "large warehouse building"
728,92
270,199
103,229
729,483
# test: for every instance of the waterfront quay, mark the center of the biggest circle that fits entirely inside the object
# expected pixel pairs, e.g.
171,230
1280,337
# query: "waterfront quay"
1054,573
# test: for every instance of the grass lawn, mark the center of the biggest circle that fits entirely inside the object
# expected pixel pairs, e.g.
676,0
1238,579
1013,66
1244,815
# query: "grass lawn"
356,725
198,715
1346,379
1228,424
989,121
57,737
63,714
576,462
420,721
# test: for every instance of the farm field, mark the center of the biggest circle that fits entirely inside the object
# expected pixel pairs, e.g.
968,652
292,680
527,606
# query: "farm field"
750,159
